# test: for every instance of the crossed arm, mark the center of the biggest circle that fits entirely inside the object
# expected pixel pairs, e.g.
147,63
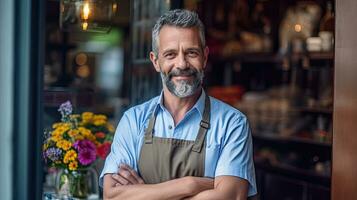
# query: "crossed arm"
128,185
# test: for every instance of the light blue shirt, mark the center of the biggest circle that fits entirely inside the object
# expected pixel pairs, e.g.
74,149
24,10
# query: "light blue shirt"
229,149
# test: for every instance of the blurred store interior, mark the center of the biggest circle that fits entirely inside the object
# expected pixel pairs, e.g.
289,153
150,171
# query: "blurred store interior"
272,59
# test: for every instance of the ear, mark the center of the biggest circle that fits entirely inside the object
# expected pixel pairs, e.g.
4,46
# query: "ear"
205,56
154,61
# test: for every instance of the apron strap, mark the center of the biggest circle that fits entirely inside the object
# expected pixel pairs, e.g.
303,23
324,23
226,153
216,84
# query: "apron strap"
150,129
204,126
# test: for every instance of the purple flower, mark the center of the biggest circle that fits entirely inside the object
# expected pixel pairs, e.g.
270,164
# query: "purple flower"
86,157
44,156
65,108
82,145
53,154
86,151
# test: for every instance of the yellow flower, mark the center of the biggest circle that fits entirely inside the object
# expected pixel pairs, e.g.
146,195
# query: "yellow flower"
91,137
110,127
73,165
45,146
62,128
65,160
71,155
79,137
73,133
56,138
87,116
99,122
84,131
56,132
97,143
100,117
56,125
74,116
64,144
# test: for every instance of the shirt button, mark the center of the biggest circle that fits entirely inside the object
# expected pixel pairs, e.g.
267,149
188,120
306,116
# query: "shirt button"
170,127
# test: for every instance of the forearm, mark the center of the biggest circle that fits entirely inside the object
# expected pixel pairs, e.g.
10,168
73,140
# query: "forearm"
225,188
216,194
170,190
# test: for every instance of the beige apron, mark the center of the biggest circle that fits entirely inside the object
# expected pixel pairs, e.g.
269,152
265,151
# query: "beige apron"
163,159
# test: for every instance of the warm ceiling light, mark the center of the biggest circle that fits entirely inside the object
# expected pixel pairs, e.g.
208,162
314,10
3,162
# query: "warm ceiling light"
298,28
86,11
83,71
84,26
115,7
81,59
88,15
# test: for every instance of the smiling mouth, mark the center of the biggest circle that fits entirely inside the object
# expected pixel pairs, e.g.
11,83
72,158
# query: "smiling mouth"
182,77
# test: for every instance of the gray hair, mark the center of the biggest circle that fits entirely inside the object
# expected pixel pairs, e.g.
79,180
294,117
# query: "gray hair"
179,18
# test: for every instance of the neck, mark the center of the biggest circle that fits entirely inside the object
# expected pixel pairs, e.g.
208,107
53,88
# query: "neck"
178,107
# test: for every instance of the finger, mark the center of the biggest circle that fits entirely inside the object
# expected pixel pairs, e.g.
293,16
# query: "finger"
127,175
133,173
110,180
120,179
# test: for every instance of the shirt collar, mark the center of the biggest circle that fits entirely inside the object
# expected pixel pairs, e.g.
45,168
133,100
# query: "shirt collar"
199,105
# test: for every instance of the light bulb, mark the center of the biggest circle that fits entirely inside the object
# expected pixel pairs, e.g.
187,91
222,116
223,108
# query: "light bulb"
298,28
86,11
84,26
115,7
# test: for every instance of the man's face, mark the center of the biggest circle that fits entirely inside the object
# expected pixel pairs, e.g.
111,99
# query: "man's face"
181,60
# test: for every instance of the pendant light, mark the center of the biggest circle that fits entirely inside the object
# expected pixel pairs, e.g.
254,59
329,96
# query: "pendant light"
87,15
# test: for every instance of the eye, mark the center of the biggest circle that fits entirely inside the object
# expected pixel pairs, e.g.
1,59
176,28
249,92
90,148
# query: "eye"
192,53
169,55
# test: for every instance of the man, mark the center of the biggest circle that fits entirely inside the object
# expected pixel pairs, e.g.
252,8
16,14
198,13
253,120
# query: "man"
181,144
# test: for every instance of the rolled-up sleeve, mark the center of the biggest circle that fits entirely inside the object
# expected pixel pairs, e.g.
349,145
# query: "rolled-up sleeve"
236,157
122,148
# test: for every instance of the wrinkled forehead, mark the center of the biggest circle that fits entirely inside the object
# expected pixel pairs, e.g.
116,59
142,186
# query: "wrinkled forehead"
172,35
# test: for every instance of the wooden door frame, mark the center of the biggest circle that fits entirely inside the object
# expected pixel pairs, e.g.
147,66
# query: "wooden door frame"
344,156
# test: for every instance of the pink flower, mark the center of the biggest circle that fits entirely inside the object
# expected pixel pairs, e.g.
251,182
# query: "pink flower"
81,145
86,157
86,151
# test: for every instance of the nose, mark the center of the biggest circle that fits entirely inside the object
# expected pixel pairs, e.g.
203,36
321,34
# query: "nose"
182,62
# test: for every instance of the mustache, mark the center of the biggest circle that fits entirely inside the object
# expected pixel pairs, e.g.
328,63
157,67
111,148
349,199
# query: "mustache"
183,72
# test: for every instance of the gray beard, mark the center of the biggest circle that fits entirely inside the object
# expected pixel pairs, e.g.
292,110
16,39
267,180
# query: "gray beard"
183,88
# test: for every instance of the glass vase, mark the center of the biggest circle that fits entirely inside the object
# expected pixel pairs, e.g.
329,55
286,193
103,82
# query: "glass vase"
78,184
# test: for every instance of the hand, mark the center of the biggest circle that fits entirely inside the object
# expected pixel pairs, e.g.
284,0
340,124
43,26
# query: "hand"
127,176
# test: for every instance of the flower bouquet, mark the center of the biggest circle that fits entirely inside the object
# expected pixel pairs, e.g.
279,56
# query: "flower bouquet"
74,145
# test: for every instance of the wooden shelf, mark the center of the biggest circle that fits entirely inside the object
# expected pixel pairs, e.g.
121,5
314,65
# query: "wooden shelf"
53,97
316,110
291,171
269,57
313,56
321,55
58,46
260,57
290,139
